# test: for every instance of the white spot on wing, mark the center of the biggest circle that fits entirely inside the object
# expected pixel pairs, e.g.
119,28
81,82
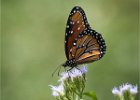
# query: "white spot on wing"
84,17
74,43
77,7
78,28
71,32
71,50
71,22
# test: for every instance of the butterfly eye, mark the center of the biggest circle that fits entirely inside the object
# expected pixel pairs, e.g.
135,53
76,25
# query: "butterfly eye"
82,44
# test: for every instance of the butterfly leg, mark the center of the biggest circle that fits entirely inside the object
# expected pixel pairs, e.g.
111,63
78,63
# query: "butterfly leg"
70,69
59,71
67,71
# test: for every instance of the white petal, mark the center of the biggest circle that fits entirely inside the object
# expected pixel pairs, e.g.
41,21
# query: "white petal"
57,90
55,94
63,76
134,90
74,72
84,69
115,91
125,87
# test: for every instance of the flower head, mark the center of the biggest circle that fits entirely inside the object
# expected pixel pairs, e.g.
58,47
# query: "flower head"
125,87
84,69
72,83
116,92
125,91
73,73
134,90
57,90
63,76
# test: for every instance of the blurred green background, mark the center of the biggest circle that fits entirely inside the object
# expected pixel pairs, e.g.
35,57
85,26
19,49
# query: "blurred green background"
33,45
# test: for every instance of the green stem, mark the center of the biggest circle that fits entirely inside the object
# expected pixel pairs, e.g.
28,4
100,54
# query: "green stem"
127,96
76,98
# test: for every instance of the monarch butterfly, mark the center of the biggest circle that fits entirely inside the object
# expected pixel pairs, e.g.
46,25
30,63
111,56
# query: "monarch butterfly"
82,44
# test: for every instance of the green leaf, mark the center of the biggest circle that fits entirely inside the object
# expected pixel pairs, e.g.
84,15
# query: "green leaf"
91,94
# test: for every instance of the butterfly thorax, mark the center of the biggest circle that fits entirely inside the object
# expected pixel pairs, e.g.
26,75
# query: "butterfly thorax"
70,63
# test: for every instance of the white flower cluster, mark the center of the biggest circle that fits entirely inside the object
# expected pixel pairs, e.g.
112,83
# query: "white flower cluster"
59,90
133,90
75,72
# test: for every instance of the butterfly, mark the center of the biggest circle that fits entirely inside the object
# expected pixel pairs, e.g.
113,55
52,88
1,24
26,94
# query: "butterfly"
82,44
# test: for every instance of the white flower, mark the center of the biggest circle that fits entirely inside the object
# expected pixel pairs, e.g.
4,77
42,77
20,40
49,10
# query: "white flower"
124,88
116,92
134,90
129,87
63,76
84,69
72,82
57,90
74,72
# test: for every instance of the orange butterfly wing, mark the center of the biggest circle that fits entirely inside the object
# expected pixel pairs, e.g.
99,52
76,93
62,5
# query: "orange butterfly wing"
82,44
93,48
77,23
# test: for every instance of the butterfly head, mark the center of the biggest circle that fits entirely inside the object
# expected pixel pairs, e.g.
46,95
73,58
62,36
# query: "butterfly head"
70,63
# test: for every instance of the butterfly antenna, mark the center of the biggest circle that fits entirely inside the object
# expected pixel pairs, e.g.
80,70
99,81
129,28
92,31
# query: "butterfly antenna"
57,68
